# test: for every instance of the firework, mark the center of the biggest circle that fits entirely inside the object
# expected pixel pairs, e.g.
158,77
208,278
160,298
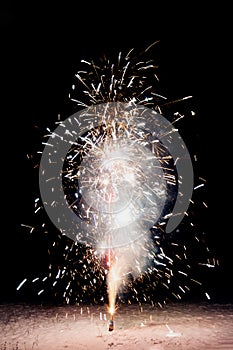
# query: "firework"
111,323
116,179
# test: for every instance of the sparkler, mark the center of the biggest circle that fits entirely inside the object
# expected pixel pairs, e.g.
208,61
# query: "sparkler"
116,179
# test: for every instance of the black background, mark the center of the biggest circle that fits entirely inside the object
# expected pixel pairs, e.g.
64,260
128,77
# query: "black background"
41,49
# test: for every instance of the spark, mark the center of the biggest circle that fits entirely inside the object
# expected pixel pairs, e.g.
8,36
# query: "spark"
196,187
32,228
37,209
20,285
35,279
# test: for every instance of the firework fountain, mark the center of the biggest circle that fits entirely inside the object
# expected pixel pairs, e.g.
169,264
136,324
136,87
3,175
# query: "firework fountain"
117,178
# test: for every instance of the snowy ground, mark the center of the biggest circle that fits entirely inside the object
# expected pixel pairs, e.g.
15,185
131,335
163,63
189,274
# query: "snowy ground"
175,326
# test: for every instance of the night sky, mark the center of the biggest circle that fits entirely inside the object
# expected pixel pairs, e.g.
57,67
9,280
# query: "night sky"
41,49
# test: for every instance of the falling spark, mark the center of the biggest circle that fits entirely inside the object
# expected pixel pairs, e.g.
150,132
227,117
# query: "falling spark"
28,226
201,185
20,285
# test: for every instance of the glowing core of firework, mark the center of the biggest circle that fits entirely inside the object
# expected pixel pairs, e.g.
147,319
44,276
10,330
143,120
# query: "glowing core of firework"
124,189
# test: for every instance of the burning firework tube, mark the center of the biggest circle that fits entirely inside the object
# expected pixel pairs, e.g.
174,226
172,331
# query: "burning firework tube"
111,324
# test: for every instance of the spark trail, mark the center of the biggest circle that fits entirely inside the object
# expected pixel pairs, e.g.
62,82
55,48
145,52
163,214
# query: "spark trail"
120,181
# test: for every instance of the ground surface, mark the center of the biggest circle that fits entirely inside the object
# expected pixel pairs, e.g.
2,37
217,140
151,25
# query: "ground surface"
175,326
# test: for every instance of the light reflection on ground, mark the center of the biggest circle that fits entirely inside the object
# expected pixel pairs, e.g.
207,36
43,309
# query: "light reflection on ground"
176,326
